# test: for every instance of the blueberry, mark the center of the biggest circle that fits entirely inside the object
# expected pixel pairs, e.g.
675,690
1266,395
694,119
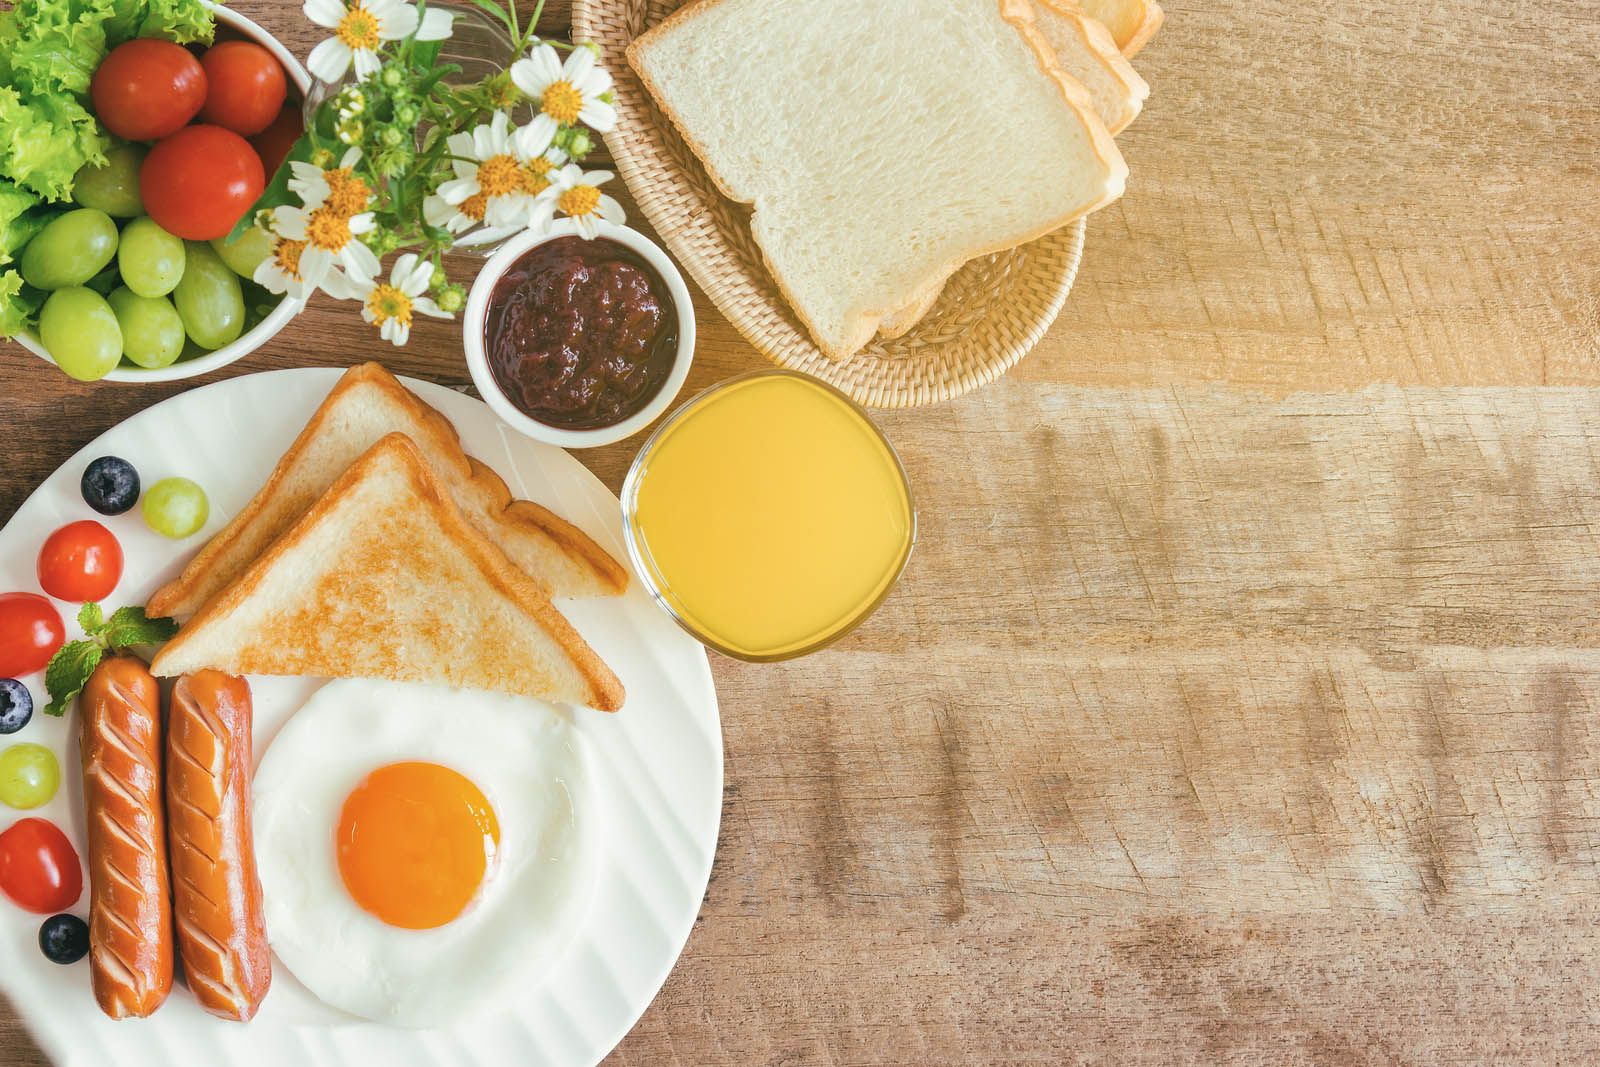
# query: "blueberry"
110,485
64,939
16,705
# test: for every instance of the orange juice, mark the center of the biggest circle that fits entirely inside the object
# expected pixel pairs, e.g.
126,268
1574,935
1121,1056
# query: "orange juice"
770,516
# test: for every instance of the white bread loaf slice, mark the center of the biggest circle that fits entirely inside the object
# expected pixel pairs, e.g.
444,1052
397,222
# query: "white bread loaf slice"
367,403
1085,50
1132,22
384,578
877,162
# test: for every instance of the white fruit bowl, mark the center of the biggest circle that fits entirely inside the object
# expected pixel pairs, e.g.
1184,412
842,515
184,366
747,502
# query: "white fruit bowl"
287,308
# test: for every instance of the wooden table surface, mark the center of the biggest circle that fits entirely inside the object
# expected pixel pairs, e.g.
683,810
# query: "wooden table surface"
1241,701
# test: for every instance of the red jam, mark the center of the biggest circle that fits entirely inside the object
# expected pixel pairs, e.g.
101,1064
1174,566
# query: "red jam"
581,334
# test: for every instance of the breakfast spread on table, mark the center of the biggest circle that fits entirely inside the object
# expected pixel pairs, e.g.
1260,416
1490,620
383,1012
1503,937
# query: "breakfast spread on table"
422,834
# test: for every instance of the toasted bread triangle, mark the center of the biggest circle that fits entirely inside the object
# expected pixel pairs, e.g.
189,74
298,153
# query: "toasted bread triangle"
367,403
384,578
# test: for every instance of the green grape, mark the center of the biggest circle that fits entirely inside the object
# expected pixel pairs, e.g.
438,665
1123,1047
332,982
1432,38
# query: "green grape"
209,298
175,507
113,188
71,250
152,329
247,253
150,258
80,331
29,776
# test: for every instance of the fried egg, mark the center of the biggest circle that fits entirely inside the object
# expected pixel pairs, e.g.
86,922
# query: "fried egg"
423,851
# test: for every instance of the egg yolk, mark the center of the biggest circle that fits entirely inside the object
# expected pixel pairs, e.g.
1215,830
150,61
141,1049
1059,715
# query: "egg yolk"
415,841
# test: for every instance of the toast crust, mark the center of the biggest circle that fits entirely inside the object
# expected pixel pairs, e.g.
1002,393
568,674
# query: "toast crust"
1019,13
202,577
605,691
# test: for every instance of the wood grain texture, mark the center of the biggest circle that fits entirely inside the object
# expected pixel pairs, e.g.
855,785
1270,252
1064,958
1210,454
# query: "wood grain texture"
1238,705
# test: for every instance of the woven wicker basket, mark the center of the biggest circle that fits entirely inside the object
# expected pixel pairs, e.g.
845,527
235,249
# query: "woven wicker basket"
992,312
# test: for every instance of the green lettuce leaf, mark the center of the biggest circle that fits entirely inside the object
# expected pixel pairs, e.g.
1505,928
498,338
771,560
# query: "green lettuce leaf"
59,44
44,142
124,21
15,206
183,21
10,31
15,314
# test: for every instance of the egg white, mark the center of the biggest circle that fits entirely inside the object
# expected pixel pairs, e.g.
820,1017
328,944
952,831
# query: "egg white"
529,762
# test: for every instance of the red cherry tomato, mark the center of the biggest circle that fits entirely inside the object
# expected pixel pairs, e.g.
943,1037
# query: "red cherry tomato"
30,633
200,181
81,561
147,89
245,87
274,143
39,868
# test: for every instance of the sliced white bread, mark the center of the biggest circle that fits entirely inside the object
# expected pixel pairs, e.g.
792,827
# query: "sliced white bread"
1132,22
384,578
366,404
878,162
1085,49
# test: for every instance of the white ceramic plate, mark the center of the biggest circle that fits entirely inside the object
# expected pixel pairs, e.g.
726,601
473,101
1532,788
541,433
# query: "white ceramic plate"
657,764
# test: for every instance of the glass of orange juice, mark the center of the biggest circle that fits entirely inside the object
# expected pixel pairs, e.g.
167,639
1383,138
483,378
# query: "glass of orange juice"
769,516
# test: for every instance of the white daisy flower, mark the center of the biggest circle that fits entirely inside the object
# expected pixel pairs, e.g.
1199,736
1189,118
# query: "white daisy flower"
359,29
391,305
577,195
489,163
331,239
465,220
337,187
280,271
566,93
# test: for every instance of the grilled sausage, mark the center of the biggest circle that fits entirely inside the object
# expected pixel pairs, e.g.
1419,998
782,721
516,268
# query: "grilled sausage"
216,895
130,913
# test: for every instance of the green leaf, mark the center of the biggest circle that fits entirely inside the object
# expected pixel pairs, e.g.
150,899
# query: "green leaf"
58,45
90,618
16,205
15,316
497,11
69,672
426,55
44,141
184,21
277,193
130,626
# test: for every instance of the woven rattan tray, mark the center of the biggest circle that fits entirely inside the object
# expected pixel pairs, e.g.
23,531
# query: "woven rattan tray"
992,312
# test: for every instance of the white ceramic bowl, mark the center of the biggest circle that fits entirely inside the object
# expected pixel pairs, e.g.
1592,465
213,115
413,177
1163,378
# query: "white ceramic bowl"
287,308
478,359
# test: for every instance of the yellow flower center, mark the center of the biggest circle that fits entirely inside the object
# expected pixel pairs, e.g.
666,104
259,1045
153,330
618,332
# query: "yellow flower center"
499,176
562,102
359,29
475,207
327,229
536,175
579,200
286,255
347,194
387,302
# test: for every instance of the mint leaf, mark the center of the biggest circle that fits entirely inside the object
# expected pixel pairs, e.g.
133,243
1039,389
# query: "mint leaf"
91,618
68,672
130,626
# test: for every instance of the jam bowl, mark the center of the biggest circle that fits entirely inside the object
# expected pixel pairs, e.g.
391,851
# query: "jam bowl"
579,342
